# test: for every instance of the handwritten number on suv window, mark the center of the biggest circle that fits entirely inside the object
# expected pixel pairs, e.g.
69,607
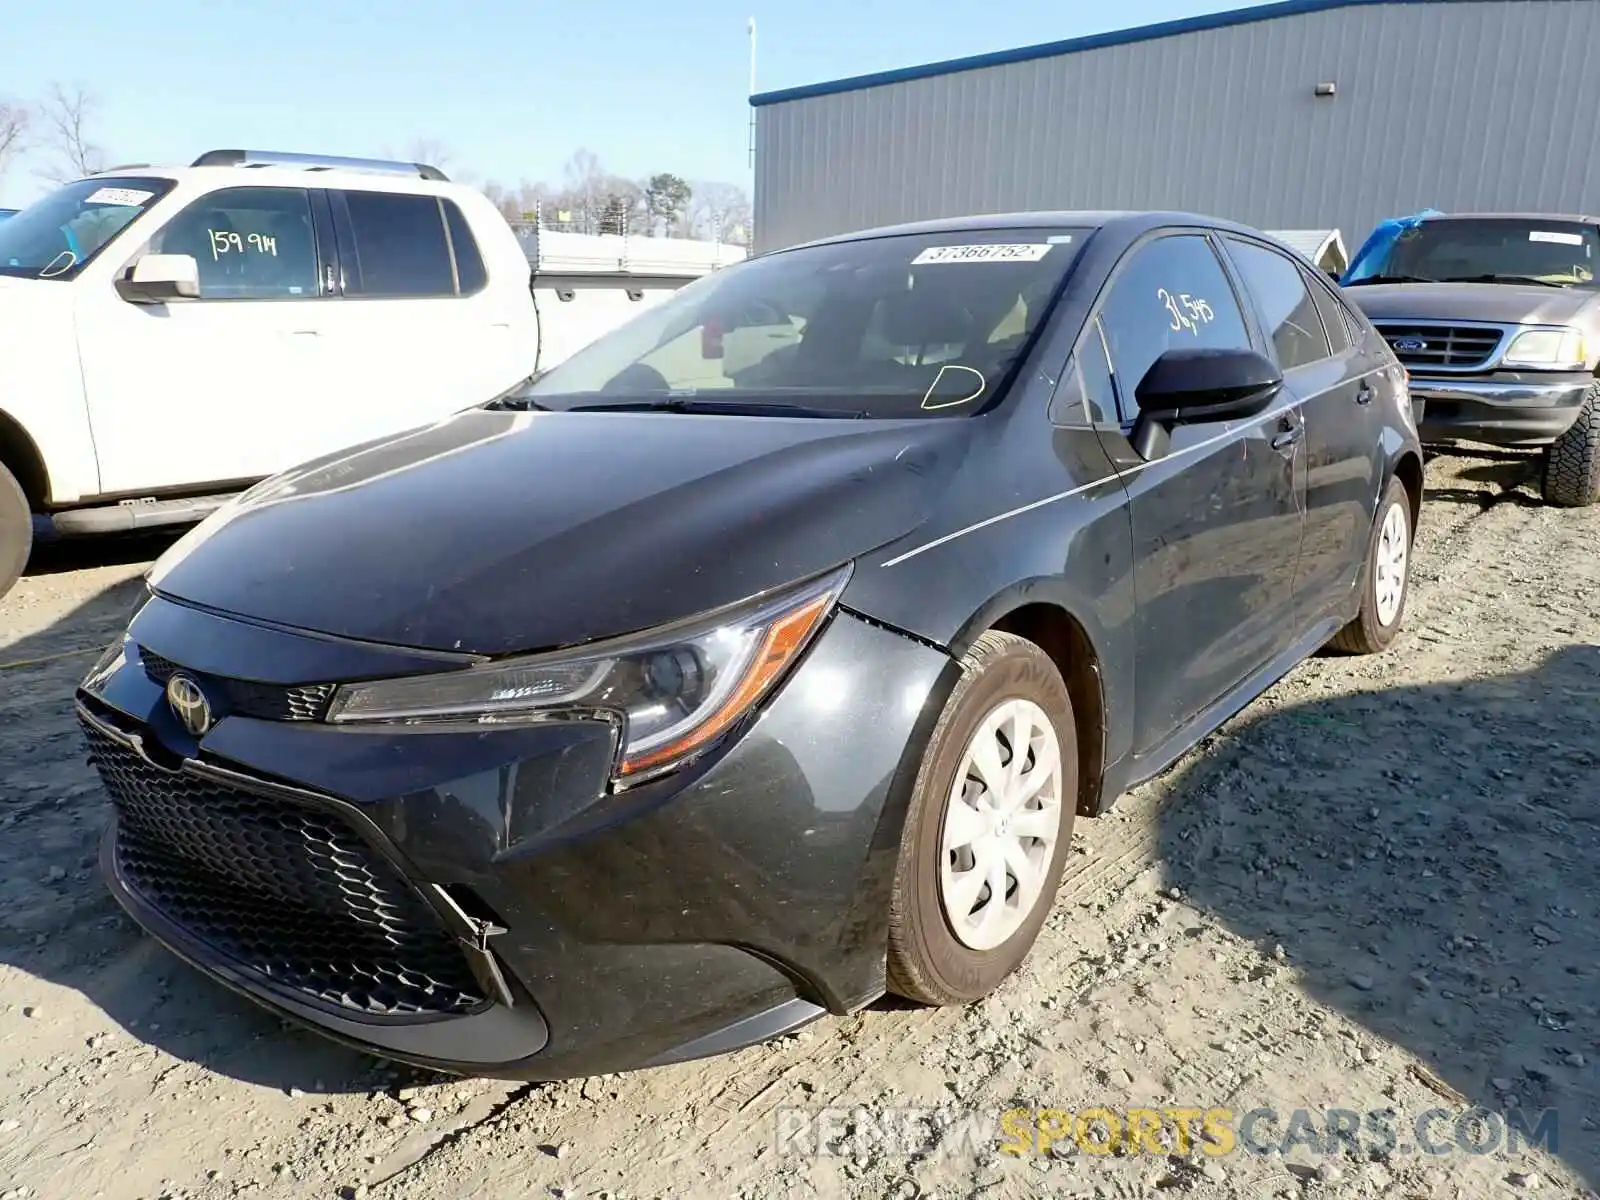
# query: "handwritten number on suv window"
224,243
1186,312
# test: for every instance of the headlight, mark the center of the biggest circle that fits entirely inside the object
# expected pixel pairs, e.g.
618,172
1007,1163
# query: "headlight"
674,688
1547,349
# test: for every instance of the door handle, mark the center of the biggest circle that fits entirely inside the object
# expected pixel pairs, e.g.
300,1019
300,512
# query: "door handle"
1365,393
1288,437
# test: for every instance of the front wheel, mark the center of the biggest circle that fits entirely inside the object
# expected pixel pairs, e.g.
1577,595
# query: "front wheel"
16,531
988,829
1386,579
1572,463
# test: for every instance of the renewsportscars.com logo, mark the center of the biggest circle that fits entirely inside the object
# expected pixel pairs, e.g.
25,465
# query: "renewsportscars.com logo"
1213,1132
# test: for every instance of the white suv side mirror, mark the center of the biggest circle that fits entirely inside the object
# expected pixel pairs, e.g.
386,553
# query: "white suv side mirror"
158,278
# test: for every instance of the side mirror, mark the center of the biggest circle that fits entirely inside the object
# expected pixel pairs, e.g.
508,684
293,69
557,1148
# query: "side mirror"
158,278
1195,386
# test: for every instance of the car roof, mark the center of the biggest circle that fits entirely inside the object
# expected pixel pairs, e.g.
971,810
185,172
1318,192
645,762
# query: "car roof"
1130,222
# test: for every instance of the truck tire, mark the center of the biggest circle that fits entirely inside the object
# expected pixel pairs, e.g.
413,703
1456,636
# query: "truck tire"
1572,463
16,531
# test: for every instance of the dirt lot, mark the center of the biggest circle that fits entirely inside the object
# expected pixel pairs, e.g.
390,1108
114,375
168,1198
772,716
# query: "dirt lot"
1373,890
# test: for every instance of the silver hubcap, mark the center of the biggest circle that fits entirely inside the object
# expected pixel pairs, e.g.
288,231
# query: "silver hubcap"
1394,547
1001,825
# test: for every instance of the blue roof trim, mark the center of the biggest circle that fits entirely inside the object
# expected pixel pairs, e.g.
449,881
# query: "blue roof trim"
1096,41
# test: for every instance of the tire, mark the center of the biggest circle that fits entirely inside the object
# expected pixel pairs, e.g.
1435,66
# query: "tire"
16,531
1371,632
930,960
1572,463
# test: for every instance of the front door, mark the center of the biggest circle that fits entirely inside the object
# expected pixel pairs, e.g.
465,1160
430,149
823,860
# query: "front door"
1343,452
213,390
1217,517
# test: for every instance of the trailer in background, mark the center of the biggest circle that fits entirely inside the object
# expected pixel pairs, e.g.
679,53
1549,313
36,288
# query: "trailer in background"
586,284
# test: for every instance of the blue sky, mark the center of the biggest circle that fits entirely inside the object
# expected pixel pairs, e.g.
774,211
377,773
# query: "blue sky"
513,87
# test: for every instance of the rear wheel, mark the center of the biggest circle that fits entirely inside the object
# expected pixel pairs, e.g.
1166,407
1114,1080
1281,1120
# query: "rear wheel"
16,531
1386,579
989,826
1572,463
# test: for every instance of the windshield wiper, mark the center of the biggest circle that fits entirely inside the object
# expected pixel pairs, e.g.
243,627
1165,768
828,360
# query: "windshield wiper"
1388,279
687,404
514,403
1534,279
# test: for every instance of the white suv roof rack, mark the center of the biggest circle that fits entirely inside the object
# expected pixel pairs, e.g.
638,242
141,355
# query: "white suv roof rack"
317,162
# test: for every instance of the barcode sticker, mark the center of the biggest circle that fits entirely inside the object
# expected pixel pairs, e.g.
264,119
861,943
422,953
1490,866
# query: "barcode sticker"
989,252
130,197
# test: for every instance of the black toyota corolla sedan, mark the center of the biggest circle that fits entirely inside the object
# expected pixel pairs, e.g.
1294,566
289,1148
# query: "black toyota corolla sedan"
756,660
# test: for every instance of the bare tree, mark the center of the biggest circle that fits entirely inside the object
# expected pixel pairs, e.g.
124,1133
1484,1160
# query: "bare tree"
14,120
721,211
65,117
435,152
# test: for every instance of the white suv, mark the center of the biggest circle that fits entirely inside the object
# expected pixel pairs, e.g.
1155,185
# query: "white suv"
169,335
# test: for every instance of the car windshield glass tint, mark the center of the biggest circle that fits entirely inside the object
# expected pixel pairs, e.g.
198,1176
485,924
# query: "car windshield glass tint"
898,326
54,237
1491,250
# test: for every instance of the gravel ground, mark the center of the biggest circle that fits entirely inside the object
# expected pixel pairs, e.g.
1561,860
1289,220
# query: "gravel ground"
1368,892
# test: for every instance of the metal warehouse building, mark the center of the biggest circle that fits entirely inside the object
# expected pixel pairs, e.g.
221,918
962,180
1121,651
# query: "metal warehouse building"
1308,114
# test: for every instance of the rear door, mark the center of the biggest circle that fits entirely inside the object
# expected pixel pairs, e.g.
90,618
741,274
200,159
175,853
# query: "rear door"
1217,519
1332,378
416,333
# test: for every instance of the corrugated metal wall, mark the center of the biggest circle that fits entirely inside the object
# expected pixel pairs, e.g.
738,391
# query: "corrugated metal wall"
1481,104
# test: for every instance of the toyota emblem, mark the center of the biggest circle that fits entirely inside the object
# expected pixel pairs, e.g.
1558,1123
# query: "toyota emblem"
189,704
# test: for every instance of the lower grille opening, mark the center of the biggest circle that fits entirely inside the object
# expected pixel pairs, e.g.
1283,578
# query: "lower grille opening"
287,892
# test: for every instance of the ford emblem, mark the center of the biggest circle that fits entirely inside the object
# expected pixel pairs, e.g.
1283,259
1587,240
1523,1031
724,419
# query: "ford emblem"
1409,345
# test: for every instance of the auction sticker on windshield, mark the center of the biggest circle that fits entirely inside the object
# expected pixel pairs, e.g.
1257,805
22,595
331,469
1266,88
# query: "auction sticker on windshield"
991,252
1559,239
128,197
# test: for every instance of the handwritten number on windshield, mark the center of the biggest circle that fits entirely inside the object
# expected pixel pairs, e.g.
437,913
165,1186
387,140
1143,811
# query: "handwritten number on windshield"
1185,312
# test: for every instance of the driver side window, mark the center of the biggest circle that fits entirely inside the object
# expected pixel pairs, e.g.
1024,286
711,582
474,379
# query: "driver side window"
250,243
1168,293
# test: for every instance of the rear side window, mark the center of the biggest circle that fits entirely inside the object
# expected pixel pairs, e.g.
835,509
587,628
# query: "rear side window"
470,271
400,244
1168,293
1334,322
1288,313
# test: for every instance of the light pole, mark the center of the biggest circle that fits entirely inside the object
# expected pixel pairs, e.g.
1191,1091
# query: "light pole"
752,91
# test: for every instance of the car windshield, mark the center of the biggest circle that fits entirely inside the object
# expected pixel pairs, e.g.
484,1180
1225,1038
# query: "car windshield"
1490,250
54,237
931,324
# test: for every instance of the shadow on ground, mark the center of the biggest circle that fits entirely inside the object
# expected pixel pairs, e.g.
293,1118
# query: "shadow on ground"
76,554
1427,862
1511,476
58,923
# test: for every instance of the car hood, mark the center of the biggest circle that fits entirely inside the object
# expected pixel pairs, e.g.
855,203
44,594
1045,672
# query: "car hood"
495,532
1505,303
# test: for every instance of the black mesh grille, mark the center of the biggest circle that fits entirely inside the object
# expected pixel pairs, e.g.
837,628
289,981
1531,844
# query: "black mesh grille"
267,701
1459,347
285,890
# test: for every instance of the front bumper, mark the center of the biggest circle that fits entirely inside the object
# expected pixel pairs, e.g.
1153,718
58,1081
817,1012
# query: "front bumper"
596,932
1504,409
